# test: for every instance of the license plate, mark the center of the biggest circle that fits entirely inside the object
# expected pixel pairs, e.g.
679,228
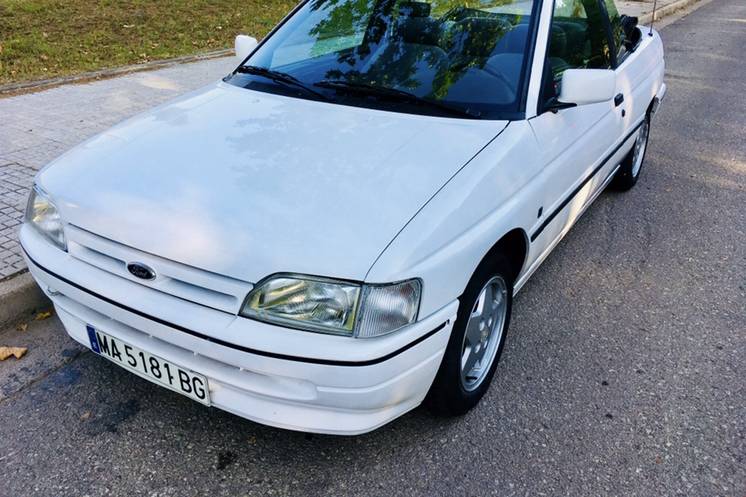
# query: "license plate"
150,367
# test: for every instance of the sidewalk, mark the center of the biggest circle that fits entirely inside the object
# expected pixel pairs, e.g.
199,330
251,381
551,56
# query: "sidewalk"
37,127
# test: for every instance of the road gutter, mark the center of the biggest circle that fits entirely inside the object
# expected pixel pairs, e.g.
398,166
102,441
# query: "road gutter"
669,9
20,298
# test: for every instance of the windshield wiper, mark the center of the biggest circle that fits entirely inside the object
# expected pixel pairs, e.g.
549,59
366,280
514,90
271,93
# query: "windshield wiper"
394,94
280,77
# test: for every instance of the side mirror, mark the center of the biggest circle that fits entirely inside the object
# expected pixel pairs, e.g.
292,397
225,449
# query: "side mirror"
244,46
587,86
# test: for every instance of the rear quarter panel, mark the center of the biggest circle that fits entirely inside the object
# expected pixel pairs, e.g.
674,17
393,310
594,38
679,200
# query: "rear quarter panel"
641,75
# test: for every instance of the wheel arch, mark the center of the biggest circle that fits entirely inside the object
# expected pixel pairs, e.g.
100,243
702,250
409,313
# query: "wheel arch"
513,245
653,107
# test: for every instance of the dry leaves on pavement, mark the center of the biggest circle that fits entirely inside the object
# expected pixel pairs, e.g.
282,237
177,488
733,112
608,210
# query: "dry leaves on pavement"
43,315
6,352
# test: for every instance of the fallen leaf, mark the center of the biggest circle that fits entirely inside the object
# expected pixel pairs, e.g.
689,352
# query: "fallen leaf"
43,315
22,327
85,415
6,352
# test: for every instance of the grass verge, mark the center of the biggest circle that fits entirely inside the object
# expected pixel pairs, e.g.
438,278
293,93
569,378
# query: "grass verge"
41,39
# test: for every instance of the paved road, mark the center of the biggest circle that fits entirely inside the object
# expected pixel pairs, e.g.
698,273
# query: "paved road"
624,373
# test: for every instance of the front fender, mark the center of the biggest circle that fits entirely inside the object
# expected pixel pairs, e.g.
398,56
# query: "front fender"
493,194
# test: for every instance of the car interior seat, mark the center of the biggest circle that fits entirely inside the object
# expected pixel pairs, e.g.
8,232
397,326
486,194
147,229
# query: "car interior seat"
415,24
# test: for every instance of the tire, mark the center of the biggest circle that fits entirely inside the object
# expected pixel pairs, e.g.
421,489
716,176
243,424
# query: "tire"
631,165
454,392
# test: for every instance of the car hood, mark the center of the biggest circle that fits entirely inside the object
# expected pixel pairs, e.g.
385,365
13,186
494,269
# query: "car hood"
247,184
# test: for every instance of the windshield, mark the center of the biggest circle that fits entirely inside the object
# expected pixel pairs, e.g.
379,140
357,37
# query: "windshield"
465,57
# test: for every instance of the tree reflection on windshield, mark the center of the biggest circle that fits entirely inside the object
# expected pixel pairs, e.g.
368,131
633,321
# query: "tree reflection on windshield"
444,51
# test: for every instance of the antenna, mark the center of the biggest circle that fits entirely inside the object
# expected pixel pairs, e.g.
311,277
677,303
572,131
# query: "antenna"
653,19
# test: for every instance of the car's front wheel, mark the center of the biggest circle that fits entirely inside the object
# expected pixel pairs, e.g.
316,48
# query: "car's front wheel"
476,341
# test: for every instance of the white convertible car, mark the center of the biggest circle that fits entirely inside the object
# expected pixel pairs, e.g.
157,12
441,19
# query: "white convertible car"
334,232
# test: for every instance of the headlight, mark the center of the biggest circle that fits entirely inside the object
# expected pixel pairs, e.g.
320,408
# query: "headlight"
43,215
316,304
332,306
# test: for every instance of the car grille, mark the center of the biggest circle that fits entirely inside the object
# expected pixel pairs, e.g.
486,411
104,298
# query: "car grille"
173,278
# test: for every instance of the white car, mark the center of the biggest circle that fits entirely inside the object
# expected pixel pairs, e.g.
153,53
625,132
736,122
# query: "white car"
334,232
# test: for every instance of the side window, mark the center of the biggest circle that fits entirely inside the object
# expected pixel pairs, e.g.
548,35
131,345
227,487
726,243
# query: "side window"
577,40
617,30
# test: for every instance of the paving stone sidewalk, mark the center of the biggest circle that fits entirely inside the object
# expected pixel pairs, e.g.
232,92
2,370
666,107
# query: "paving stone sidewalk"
38,127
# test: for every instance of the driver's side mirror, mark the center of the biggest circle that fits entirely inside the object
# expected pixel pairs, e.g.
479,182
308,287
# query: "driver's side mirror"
244,46
586,86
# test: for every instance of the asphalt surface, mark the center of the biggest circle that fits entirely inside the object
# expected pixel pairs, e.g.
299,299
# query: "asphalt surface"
624,371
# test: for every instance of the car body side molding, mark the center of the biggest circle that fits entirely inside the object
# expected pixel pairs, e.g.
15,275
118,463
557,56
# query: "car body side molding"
569,198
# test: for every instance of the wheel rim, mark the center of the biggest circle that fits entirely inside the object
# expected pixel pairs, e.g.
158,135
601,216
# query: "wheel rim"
640,144
484,331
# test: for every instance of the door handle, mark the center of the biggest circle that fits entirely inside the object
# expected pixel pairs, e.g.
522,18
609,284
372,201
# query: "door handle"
618,100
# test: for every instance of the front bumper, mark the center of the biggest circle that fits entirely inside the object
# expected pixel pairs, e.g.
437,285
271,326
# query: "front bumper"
275,376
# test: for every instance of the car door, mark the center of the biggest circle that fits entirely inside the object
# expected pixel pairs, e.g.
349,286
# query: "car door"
572,140
635,73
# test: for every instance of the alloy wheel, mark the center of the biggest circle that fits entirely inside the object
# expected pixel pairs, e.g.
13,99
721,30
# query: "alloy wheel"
640,144
484,332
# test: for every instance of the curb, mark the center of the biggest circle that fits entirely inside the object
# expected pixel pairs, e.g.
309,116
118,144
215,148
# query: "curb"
666,11
20,297
44,84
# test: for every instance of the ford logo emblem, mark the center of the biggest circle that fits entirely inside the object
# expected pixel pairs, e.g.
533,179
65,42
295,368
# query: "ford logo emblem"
141,271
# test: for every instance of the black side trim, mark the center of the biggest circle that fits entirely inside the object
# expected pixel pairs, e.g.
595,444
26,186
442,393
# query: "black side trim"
310,360
569,198
554,105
